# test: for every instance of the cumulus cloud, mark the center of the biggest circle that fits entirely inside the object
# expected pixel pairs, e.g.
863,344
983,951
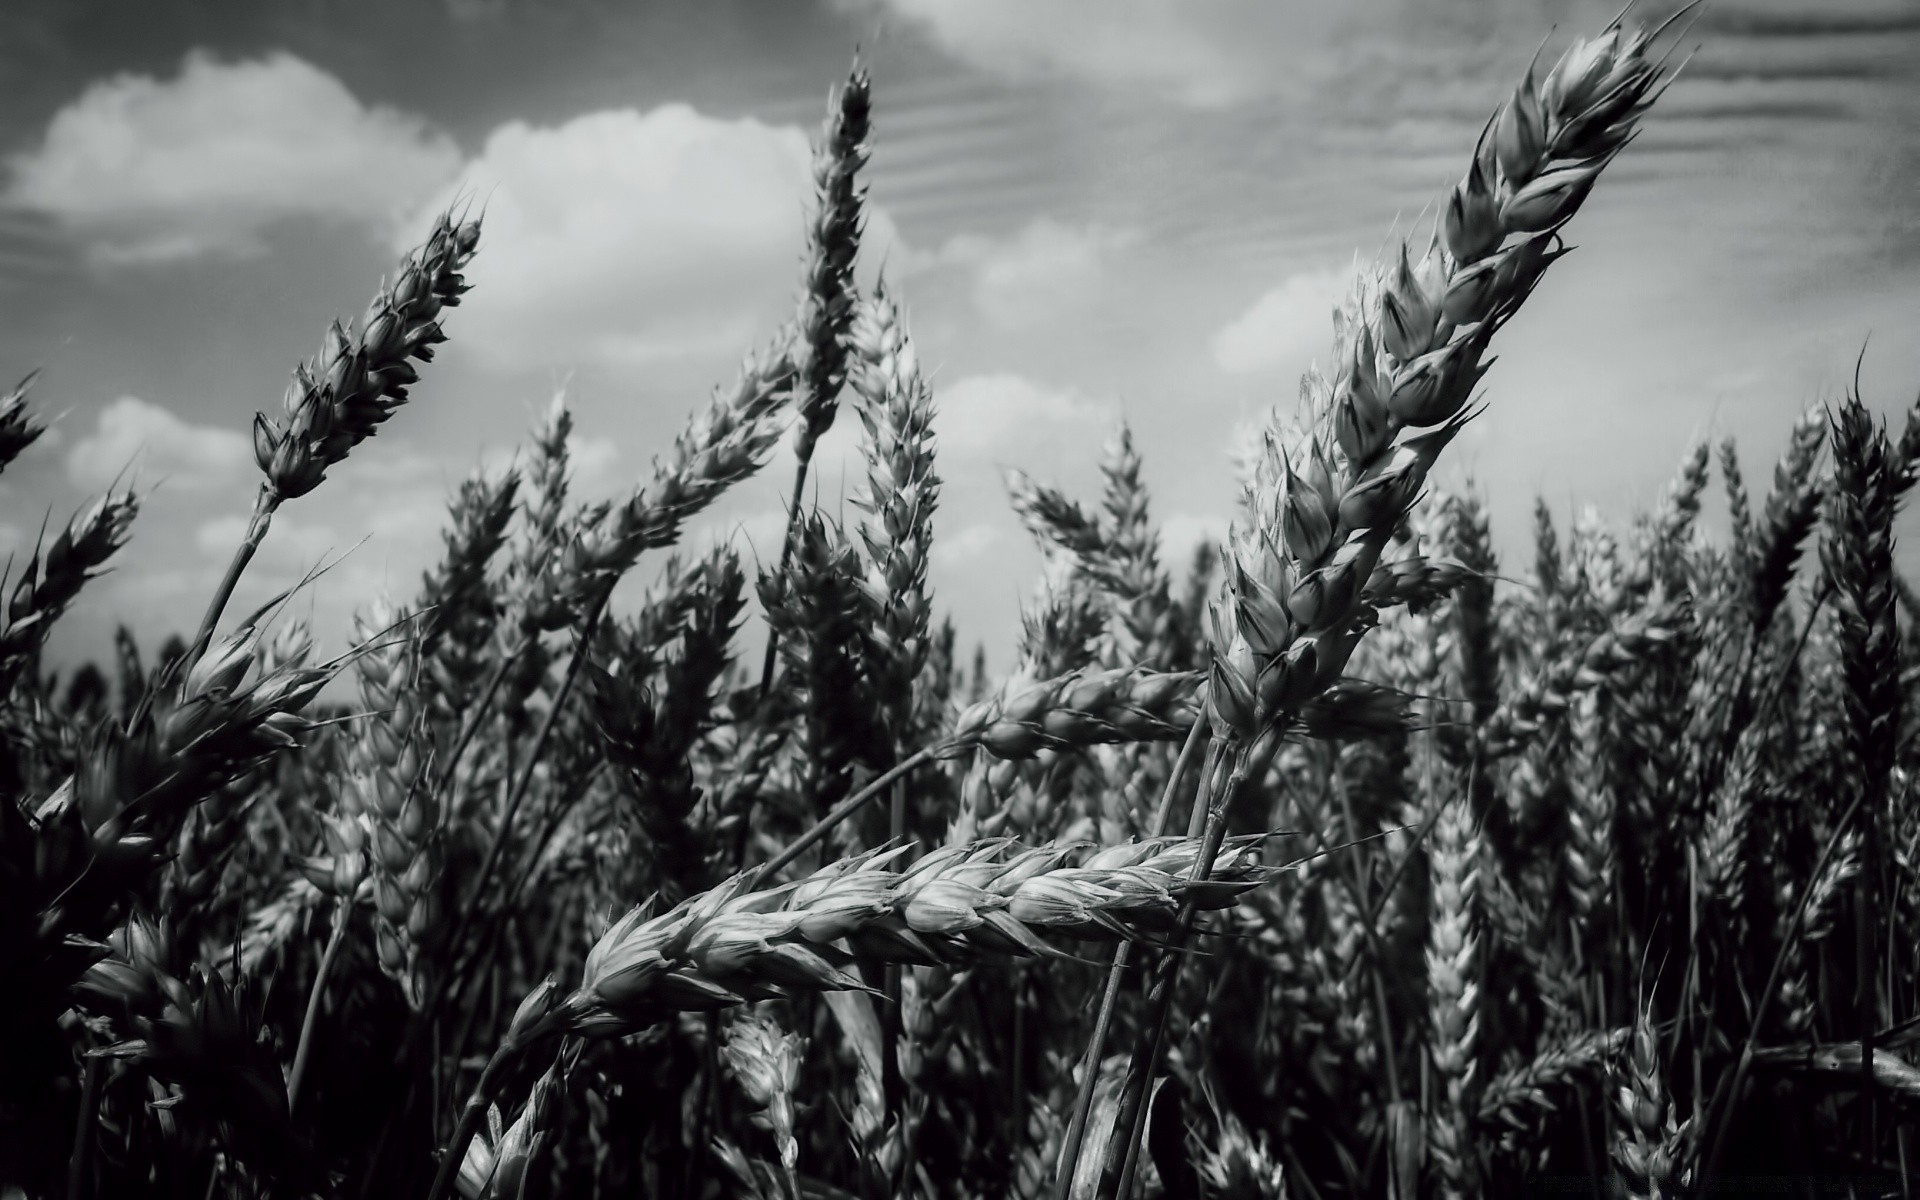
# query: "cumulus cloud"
628,238
1183,533
1286,327
1047,266
966,545
152,170
986,412
134,432
293,547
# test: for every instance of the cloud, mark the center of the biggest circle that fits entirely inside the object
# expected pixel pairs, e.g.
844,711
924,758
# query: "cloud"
150,170
292,546
1286,327
984,412
132,431
1045,267
966,545
629,238
1204,53
595,466
1183,533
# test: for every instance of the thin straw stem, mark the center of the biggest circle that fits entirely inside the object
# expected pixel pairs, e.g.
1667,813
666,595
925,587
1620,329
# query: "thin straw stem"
265,504
342,913
1110,997
845,809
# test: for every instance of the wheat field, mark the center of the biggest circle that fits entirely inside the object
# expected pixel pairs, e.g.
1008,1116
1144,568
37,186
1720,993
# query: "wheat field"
1343,860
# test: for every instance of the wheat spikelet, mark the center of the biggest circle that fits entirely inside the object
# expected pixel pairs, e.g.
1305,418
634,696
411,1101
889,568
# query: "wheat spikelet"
54,575
902,491
1079,709
1554,688
827,311
765,1060
1516,1098
1591,867
496,1162
1410,343
341,397
724,443
651,735
1454,993
19,428
960,902
1786,519
1857,555
816,609
386,788
1648,1142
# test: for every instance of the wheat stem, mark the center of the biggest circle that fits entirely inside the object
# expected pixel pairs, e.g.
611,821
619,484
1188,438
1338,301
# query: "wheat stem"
83,1131
471,1115
342,912
845,809
786,558
1133,1109
1110,998
524,780
265,504
1745,1061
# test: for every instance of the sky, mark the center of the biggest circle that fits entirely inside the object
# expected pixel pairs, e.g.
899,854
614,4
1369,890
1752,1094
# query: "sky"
1094,211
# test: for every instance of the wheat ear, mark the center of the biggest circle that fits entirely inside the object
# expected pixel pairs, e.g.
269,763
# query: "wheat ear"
341,397
1410,353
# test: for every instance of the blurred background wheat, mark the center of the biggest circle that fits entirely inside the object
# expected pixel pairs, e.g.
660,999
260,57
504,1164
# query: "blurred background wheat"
1379,830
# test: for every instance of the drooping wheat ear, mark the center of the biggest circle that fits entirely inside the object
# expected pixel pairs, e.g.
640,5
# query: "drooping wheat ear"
54,575
1786,519
723,444
1516,1100
833,242
1648,1142
386,785
765,1060
1797,999
19,428
956,904
340,398
902,490
1453,996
